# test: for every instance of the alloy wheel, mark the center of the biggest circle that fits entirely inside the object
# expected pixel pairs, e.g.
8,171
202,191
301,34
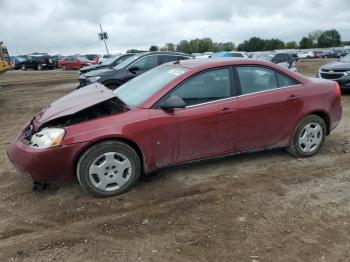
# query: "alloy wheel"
310,137
110,171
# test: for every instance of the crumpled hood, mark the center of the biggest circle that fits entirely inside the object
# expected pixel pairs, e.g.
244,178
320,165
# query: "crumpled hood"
74,102
337,66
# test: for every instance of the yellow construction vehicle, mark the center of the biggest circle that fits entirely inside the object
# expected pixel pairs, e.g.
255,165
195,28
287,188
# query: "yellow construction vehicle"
5,61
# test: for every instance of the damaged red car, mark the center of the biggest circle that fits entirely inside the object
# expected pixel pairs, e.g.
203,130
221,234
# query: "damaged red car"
178,112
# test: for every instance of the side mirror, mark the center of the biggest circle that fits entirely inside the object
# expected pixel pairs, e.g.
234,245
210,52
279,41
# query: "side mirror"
134,69
172,102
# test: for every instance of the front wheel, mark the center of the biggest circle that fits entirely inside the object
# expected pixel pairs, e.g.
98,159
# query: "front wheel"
112,86
308,137
108,168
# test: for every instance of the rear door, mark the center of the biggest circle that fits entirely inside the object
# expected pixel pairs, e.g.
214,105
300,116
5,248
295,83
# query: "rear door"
269,104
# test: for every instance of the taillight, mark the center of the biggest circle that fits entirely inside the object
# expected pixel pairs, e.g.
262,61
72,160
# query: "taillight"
337,89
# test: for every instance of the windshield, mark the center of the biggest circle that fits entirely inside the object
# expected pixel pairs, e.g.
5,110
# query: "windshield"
109,61
126,62
346,59
139,89
265,57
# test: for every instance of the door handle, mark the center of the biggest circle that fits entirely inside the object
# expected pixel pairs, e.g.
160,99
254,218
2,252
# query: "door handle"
226,110
293,98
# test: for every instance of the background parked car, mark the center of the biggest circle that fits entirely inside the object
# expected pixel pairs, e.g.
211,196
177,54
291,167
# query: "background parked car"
230,54
306,54
130,68
18,61
75,62
283,59
335,53
93,57
38,62
110,62
338,71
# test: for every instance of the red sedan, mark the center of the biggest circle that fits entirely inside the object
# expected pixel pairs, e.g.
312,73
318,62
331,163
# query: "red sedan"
175,113
75,62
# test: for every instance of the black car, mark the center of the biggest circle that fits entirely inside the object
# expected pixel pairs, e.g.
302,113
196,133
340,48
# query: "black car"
336,53
110,62
284,59
338,71
130,68
38,62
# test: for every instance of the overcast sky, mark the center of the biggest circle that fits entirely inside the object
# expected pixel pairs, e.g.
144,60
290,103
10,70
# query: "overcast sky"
71,26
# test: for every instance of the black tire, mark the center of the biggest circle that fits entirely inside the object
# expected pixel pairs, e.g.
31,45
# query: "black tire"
87,159
24,67
112,86
295,148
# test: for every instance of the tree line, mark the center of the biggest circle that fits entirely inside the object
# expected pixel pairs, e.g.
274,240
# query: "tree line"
315,39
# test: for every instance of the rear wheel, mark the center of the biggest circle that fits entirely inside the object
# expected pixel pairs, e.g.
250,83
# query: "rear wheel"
24,67
308,137
109,168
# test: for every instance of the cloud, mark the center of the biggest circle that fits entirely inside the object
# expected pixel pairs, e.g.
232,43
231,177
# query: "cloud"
69,27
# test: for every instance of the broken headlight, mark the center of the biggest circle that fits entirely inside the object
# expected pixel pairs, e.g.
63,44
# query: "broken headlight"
48,137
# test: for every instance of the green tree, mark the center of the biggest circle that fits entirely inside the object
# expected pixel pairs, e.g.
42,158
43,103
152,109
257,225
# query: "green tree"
273,44
184,46
329,38
305,42
291,45
227,46
134,50
154,48
170,47
314,37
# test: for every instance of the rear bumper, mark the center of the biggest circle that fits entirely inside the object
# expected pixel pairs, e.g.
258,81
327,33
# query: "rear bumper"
45,165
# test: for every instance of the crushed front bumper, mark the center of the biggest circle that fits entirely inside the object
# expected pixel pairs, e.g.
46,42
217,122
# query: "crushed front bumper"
45,165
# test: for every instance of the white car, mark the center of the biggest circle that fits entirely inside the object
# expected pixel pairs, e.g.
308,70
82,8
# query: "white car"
239,54
306,54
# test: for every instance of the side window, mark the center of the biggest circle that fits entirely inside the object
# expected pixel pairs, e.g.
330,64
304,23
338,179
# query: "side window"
169,58
285,81
147,63
256,79
205,87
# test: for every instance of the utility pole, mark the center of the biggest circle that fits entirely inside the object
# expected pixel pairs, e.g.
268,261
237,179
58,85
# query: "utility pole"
103,36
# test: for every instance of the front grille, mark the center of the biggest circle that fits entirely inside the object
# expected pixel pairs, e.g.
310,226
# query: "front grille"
332,76
335,70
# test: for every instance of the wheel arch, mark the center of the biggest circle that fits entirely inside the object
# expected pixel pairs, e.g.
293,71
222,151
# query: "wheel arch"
129,142
112,81
325,116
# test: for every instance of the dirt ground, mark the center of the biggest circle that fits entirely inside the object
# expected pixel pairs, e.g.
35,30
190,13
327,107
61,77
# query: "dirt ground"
264,206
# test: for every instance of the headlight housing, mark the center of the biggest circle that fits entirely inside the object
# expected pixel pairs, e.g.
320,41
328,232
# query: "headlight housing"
48,137
94,78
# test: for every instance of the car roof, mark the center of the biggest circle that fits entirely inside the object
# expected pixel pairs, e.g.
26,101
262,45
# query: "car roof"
161,53
217,62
